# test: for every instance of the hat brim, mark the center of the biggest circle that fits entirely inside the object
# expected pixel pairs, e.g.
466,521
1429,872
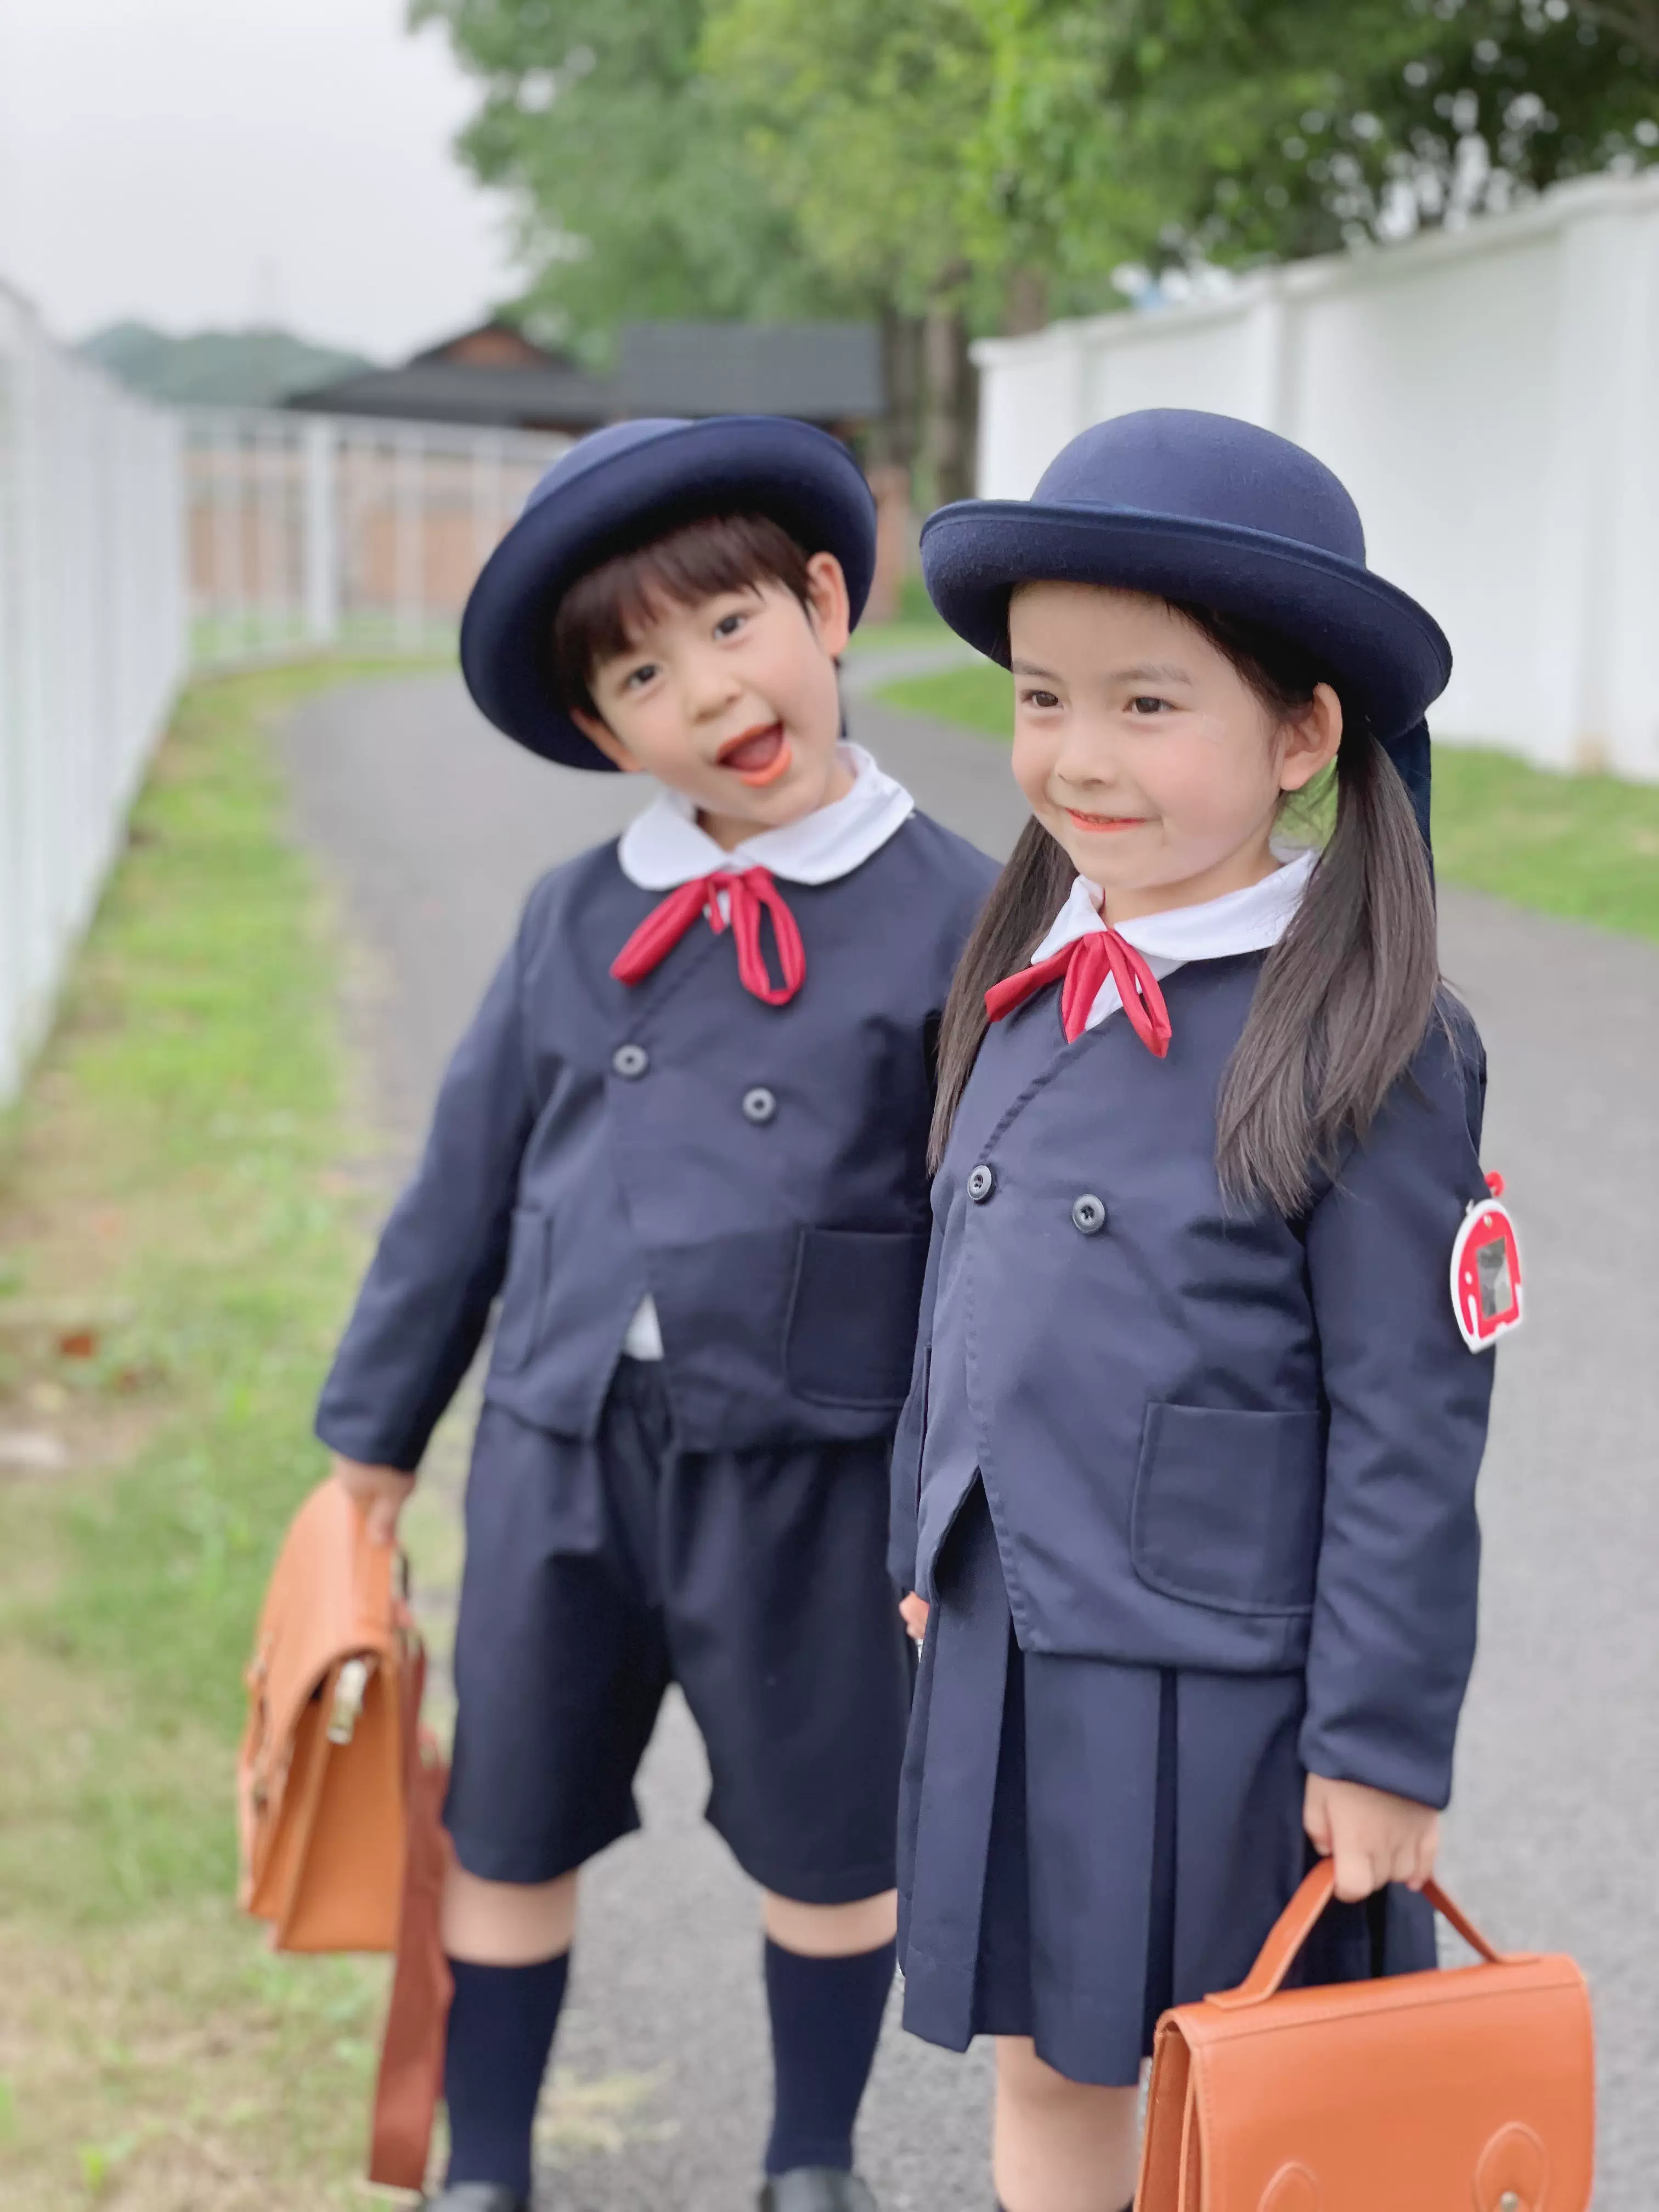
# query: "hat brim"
769,465
1386,654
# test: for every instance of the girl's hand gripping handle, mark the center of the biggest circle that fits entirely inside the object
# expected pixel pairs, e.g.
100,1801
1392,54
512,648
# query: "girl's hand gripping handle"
1371,1836
381,1492
913,1612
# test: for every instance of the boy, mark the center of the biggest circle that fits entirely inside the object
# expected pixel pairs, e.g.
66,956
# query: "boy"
685,1141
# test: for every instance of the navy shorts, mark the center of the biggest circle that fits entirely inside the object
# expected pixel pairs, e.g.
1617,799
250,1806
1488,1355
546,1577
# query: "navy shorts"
599,1572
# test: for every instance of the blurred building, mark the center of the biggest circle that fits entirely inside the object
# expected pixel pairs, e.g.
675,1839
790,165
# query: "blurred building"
824,373
492,378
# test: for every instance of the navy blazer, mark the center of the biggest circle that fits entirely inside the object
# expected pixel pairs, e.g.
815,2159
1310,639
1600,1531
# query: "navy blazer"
759,1170
1209,1438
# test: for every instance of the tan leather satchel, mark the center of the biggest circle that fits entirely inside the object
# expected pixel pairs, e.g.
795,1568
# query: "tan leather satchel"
1471,2089
340,1795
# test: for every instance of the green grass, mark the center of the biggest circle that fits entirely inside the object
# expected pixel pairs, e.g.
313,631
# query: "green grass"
178,1244
1586,846
979,698
915,623
182,1223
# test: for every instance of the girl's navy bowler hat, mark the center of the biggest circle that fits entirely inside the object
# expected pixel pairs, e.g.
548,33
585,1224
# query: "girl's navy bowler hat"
1216,512
620,488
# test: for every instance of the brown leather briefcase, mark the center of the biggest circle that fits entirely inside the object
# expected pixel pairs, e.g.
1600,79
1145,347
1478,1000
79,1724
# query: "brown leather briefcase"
1468,2090
340,1797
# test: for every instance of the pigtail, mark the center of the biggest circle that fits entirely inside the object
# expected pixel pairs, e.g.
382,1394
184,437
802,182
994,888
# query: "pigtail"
1344,998
1024,900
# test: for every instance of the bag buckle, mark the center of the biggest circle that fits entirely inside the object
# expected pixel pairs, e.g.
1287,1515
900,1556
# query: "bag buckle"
349,1688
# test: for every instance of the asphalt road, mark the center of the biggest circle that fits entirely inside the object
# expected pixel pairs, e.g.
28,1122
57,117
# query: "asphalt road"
432,828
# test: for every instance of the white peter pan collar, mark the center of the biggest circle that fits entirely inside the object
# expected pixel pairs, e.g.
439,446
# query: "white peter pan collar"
1240,922
663,847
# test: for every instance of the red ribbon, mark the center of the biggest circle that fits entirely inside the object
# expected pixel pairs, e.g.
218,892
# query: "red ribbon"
748,891
1084,963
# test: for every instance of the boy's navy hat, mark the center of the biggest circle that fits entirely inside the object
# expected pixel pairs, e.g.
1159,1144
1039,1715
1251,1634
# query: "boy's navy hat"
621,487
1210,510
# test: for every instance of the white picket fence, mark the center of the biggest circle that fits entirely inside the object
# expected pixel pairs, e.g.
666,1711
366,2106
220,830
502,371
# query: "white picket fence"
1491,400
92,647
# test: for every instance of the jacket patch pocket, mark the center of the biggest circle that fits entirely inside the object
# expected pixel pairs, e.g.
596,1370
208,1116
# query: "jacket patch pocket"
851,1335
529,1257
1228,1507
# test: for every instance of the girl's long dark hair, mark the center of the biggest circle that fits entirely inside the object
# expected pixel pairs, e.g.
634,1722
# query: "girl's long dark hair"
1345,998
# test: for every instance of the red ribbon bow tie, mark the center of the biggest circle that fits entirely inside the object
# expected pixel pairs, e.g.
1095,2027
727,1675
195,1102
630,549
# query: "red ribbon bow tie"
747,892
1085,963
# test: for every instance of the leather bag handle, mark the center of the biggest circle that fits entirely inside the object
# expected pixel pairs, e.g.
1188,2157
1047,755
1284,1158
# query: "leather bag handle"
1296,1922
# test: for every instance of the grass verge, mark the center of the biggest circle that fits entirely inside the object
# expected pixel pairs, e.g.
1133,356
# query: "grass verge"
1585,847
179,1236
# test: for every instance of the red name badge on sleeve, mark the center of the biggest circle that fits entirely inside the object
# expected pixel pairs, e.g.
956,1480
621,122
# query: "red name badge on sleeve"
1485,1272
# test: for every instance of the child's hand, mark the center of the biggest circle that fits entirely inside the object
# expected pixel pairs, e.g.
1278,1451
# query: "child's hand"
381,1491
1373,1836
913,1612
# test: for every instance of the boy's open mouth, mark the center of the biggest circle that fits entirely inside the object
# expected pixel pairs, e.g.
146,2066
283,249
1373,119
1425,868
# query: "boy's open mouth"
758,755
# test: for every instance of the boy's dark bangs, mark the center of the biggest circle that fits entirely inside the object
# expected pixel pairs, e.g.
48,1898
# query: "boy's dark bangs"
604,612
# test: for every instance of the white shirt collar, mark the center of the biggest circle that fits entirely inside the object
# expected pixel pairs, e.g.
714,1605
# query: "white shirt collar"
663,847
1240,922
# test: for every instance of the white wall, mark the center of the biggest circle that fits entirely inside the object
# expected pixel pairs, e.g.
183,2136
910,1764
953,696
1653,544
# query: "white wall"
1489,397
92,642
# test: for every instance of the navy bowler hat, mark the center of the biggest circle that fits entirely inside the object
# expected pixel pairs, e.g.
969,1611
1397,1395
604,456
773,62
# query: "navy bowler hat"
619,487
1208,509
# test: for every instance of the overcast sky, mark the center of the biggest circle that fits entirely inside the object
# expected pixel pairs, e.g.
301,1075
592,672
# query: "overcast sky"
203,163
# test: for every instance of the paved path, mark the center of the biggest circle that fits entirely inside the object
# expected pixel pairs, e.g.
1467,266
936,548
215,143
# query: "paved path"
433,828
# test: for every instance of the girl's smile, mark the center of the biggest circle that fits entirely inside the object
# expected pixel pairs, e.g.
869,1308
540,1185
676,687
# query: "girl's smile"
1097,824
1120,700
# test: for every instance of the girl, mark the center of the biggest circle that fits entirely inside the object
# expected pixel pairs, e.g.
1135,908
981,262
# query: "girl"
1188,1470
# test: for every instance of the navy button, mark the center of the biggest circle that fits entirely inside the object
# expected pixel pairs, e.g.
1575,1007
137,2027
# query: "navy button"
1088,1214
630,1061
982,1182
758,1104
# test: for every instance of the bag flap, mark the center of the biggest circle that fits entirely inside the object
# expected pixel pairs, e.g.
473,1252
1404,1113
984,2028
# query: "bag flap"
1361,2093
330,1597
330,1610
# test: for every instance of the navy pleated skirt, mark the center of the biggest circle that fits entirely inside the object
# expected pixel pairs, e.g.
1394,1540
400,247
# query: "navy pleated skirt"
1083,1843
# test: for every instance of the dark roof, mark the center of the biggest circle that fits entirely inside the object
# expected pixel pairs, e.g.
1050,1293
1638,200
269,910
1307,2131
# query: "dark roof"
491,345
559,397
821,372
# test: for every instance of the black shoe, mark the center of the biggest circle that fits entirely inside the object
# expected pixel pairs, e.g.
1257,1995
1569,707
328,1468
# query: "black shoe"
815,2189
476,2196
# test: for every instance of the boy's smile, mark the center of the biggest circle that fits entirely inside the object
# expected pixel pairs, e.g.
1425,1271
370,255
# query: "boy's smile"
734,701
760,756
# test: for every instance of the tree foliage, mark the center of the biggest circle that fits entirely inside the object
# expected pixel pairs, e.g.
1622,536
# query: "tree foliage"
634,192
978,163
1273,129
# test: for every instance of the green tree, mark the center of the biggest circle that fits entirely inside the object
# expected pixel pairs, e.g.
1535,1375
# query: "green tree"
1275,129
632,188
856,113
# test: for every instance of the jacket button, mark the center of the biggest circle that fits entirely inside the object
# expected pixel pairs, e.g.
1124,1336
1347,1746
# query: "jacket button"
982,1182
630,1061
1088,1214
758,1104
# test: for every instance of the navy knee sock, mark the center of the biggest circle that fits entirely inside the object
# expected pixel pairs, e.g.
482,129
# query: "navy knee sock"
500,2030
826,2018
